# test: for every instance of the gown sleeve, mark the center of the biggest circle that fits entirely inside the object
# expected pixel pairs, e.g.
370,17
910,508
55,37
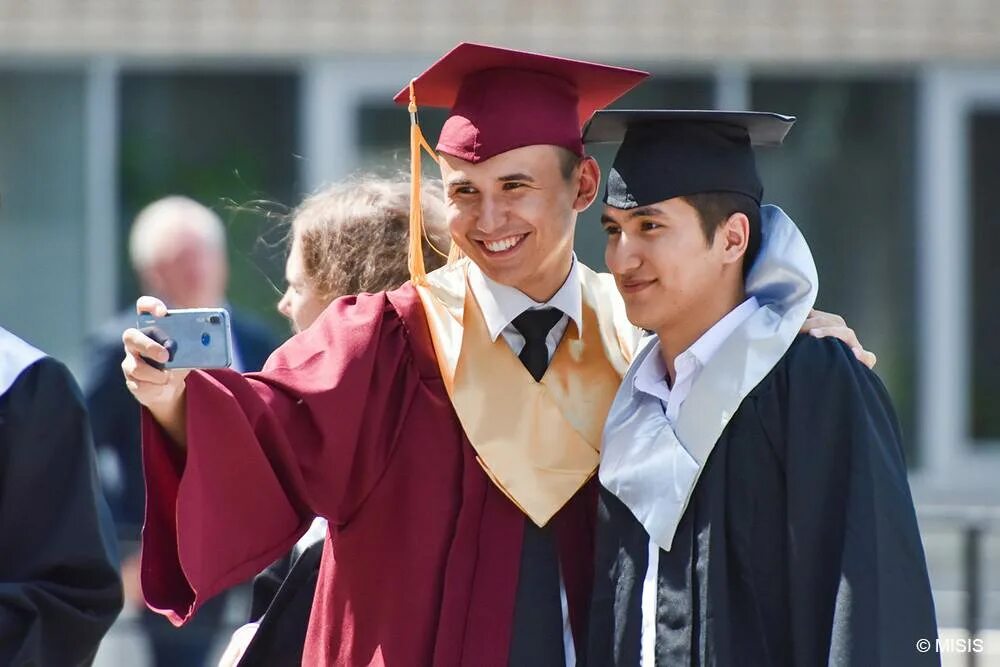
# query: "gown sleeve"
309,435
858,582
59,585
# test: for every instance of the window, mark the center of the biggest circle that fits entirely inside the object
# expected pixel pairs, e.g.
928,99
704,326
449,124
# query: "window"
845,175
43,210
384,134
984,156
227,140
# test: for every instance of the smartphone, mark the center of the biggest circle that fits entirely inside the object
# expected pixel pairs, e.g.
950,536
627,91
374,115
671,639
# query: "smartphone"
194,337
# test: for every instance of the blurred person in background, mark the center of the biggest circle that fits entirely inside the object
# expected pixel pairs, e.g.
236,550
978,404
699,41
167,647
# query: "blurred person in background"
348,238
177,248
59,585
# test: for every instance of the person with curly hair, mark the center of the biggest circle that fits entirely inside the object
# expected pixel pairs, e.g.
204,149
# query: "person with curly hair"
348,238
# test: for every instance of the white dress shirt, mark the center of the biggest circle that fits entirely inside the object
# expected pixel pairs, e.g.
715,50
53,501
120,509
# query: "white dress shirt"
651,378
500,304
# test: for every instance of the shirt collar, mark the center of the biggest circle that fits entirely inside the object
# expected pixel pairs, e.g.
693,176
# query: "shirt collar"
15,356
500,304
651,375
705,347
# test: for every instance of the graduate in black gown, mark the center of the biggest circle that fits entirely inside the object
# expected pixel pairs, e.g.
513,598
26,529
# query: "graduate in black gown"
754,506
59,585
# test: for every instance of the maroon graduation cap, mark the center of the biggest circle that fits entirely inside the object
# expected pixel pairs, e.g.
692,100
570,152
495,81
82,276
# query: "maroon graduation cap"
501,99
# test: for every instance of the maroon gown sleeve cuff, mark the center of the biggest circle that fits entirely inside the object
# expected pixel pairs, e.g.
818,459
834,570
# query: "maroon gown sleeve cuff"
204,531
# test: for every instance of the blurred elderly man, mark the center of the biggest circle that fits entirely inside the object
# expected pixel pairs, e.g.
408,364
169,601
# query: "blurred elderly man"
177,248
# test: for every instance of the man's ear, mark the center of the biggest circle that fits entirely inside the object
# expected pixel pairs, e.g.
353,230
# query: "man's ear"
735,232
589,182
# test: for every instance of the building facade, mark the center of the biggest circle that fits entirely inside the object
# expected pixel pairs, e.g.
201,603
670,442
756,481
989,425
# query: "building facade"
891,170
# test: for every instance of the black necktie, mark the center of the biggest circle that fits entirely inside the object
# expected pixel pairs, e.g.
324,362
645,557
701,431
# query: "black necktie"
538,622
535,326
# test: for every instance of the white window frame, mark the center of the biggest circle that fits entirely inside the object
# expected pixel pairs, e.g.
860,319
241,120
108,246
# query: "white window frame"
956,468
332,92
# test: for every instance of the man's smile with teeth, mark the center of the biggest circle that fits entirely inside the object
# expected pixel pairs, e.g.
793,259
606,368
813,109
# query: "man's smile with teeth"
503,244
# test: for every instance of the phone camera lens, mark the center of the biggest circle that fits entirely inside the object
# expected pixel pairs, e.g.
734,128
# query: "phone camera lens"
214,319
206,339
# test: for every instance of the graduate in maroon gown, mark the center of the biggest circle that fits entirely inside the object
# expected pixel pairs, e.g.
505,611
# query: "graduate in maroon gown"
448,430
415,420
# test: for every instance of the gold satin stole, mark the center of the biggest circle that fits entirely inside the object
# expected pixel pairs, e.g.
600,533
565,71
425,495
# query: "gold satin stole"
538,441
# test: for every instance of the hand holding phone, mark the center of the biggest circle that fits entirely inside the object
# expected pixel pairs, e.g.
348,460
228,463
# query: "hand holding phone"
193,337
162,392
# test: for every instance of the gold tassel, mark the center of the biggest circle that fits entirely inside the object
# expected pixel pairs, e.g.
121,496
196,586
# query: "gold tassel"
415,260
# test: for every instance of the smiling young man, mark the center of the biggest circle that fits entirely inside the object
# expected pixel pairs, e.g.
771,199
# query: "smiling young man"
448,430
754,505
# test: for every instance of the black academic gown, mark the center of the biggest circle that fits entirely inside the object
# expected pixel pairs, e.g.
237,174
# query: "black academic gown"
282,601
799,546
59,586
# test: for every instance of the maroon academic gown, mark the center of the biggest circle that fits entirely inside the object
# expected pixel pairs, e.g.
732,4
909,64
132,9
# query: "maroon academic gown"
350,420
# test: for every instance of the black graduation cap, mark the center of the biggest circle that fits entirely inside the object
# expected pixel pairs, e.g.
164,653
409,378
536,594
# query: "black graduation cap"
667,154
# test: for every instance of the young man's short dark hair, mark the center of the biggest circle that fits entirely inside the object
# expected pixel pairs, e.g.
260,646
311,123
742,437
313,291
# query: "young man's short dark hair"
714,208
